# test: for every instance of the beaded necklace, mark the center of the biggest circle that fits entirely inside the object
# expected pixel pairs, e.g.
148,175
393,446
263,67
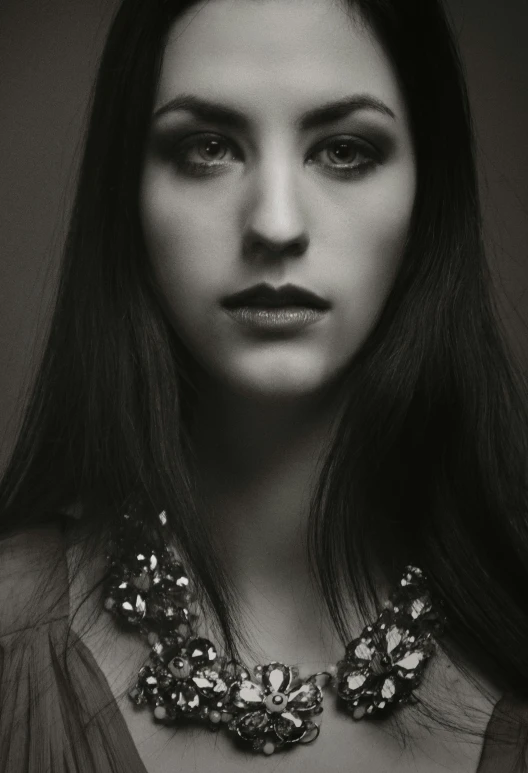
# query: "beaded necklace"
187,678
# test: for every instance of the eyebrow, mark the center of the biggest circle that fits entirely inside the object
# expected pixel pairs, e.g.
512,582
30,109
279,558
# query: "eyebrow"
228,117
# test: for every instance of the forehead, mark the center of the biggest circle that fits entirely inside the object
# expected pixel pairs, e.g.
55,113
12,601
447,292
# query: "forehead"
274,55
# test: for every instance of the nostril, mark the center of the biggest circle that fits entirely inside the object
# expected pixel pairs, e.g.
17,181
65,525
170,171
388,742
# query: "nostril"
259,246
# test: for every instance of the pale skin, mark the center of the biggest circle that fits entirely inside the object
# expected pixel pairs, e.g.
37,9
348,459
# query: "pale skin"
273,204
276,208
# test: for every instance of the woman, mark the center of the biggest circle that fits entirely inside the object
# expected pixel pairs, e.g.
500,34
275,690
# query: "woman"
274,348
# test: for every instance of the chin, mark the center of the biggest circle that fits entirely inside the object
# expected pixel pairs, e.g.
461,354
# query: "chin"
279,381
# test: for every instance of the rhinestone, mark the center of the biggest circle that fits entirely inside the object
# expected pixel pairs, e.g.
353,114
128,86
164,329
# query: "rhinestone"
201,652
246,695
277,677
363,651
388,690
355,681
134,610
289,727
186,699
251,724
306,697
209,684
411,662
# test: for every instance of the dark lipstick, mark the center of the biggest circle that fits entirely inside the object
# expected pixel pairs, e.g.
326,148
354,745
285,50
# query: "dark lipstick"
267,309
265,295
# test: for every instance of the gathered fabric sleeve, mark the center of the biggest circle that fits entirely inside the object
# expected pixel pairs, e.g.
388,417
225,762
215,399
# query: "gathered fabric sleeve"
57,712
505,748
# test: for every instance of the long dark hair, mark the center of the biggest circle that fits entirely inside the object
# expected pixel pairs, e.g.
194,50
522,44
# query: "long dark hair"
428,463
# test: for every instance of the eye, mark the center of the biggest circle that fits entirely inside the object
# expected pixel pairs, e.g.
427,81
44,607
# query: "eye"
202,154
207,154
348,156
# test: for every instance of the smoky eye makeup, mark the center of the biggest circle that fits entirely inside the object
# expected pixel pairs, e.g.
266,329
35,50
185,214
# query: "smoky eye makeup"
347,154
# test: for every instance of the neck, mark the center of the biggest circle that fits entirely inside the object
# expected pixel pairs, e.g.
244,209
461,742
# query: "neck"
258,463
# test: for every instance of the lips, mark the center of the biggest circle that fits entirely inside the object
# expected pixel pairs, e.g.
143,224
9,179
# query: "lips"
266,296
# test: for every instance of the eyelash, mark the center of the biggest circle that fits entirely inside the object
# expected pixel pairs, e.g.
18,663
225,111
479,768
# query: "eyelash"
202,169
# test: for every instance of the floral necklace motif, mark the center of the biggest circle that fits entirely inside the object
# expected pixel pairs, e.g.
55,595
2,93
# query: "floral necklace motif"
186,678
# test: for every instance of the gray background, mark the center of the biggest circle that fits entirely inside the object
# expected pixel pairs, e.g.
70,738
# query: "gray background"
48,54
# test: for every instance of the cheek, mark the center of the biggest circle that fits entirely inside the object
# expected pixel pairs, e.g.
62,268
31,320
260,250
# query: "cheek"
372,240
183,244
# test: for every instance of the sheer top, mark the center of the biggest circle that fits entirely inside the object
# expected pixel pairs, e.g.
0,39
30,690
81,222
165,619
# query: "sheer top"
57,711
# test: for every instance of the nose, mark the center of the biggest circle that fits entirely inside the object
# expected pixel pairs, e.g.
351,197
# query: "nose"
276,224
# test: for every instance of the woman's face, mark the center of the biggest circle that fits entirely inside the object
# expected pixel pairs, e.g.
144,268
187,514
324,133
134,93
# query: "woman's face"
276,187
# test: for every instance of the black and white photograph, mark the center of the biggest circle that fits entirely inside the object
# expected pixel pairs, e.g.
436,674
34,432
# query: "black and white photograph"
263,386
